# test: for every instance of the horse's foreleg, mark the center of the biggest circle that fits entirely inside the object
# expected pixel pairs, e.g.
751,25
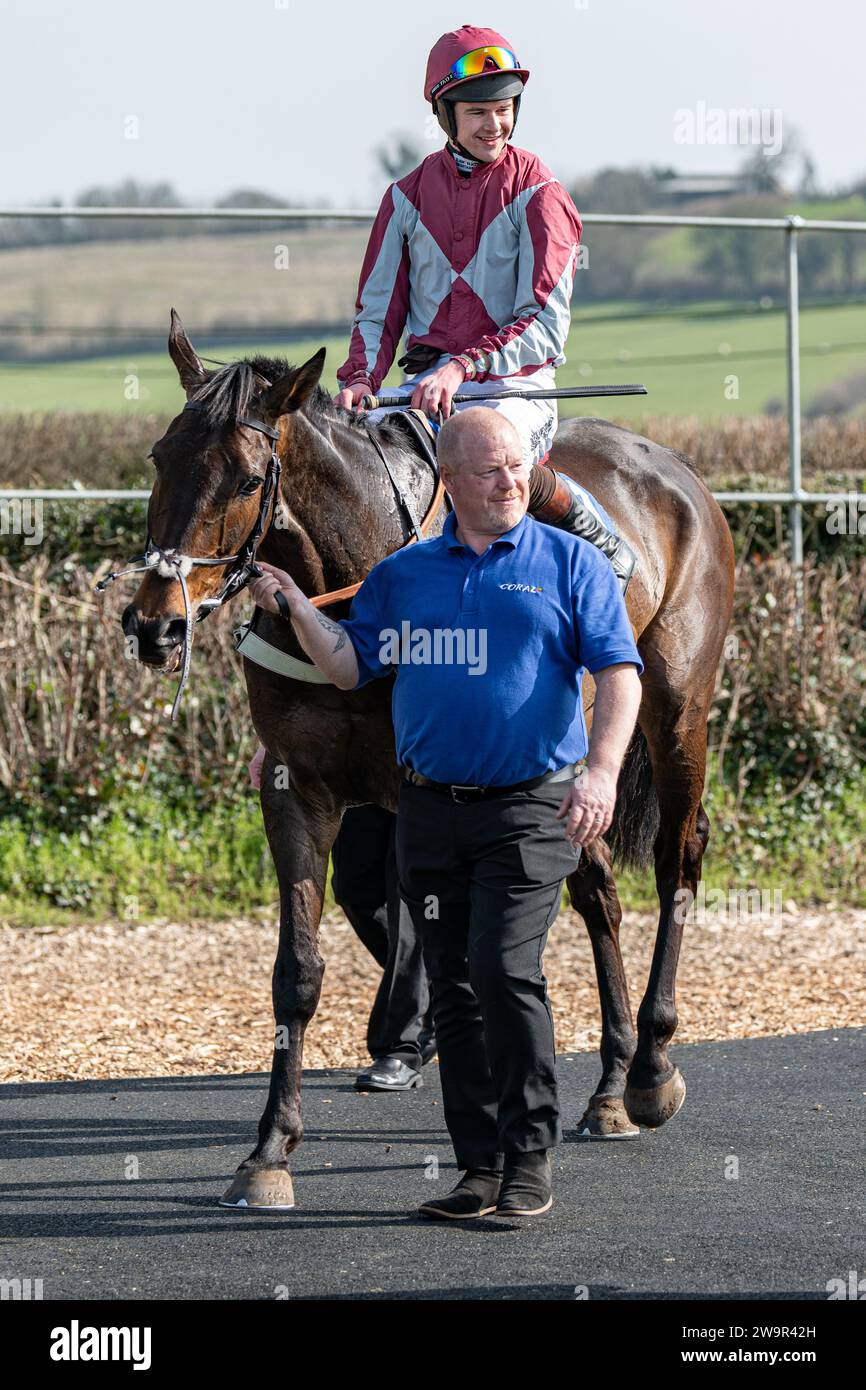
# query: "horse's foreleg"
300,840
594,896
655,1088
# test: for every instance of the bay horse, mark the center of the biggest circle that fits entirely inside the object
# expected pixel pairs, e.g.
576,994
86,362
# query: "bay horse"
336,516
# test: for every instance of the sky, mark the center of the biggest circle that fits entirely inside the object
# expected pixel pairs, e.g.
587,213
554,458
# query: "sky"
292,97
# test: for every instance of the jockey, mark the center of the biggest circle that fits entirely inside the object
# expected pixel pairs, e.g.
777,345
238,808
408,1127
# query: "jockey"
474,252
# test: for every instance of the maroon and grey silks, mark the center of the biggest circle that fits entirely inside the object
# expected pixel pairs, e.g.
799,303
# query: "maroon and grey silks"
483,263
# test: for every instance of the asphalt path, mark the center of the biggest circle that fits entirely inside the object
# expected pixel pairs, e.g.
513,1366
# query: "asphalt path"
755,1189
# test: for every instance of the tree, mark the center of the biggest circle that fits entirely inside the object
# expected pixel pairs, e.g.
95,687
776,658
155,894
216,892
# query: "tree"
808,184
615,190
253,198
131,194
398,156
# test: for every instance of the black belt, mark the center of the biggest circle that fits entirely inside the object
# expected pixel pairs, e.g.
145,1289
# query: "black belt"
462,793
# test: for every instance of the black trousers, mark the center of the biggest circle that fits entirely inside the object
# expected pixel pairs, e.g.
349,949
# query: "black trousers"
483,881
364,883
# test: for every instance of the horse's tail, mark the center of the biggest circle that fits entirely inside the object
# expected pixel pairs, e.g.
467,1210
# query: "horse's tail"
636,818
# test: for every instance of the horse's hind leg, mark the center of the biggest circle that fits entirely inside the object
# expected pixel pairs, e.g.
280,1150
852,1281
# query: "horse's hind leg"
594,896
677,743
300,840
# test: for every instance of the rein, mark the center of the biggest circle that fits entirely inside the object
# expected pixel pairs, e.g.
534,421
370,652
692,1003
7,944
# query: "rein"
173,564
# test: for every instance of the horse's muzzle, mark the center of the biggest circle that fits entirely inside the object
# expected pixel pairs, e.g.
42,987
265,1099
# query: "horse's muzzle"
154,641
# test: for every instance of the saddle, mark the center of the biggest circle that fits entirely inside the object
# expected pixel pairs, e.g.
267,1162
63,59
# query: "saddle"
423,438
422,432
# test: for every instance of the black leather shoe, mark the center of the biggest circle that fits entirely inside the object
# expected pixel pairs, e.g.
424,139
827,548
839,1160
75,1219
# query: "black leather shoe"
388,1074
475,1195
580,521
526,1185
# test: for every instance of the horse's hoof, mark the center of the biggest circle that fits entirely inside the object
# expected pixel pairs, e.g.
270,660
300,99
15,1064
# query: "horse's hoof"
260,1189
655,1105
605,1118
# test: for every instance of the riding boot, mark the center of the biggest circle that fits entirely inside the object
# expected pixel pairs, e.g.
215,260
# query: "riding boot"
553,501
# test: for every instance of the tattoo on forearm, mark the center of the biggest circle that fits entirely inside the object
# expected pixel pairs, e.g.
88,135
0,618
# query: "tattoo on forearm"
334,628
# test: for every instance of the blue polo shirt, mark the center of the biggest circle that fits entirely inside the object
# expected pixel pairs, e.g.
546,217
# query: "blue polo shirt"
489,650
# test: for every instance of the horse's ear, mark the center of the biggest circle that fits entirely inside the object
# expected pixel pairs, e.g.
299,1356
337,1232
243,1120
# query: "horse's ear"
184,356
292,390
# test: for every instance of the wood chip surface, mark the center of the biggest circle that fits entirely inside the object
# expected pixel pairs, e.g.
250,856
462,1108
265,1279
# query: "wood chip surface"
167,998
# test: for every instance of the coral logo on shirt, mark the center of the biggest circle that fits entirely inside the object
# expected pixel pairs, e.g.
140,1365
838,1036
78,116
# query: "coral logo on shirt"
523,588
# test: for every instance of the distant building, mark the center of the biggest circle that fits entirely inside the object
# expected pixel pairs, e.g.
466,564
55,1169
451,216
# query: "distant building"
686,188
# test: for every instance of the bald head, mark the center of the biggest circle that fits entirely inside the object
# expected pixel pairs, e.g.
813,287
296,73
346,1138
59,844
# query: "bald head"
474,434
483,468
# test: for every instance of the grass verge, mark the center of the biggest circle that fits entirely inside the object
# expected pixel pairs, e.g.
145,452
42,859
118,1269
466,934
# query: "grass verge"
148,857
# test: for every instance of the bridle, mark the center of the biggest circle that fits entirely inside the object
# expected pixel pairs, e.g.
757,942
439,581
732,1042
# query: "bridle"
173,564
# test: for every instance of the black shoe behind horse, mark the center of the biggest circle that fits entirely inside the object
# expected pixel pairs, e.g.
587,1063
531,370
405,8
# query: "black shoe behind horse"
389,1074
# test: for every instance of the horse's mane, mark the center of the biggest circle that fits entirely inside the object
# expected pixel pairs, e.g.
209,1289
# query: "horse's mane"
228,392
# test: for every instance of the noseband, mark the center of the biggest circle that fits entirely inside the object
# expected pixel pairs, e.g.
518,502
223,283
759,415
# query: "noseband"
173,564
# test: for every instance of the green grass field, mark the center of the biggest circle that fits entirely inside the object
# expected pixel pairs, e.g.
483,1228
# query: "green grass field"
176,860
686,358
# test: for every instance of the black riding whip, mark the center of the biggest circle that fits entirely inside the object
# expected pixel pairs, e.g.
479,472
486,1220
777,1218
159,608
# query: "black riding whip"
553,394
